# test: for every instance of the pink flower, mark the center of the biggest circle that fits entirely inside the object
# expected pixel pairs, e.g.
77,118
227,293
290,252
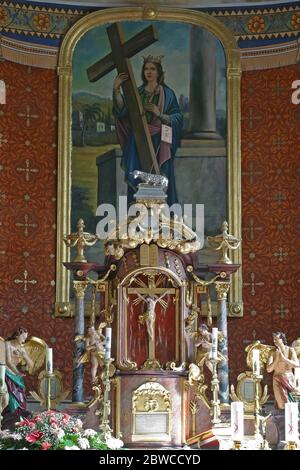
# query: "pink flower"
65,419
25,422
34,436
53,421
46,445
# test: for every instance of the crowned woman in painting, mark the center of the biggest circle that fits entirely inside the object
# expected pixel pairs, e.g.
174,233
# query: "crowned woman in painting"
161,109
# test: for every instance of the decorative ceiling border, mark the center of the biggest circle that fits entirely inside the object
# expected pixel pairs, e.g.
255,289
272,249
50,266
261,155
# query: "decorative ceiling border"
256,24
38,21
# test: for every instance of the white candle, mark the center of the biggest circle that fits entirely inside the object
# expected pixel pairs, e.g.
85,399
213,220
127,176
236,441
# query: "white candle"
214,351
107,342
237,421
255,362
49,361
291,422
2,376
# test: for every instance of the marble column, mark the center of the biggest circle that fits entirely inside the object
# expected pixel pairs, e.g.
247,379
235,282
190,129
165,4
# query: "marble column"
202,104
78,369
222,288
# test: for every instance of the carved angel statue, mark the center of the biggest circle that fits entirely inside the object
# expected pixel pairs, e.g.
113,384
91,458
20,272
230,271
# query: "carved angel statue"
20,355
195,374
280,359
94,349
281,362
203,343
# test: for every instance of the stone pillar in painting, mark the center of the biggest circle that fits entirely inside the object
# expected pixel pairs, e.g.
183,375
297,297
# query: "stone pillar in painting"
202,103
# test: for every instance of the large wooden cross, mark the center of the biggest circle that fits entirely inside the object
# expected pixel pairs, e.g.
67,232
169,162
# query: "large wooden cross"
151,291
119,59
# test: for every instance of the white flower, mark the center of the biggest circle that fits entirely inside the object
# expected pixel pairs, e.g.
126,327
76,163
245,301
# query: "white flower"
114,443
83,443
23,448
5,434
78,423
71,448
89,433
60,433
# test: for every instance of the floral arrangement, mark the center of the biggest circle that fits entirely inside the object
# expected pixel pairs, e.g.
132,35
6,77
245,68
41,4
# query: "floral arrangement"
52,430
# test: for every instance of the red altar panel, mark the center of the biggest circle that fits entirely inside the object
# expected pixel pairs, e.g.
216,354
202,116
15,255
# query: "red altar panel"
165,331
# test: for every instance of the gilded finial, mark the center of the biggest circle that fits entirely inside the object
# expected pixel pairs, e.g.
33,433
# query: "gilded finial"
224,242
80,240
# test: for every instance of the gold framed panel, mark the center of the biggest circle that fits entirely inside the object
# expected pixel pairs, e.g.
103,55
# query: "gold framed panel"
122,319
245,391
151,401
65,142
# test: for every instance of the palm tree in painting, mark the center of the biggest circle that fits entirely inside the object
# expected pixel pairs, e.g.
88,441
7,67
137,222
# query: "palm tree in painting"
91,113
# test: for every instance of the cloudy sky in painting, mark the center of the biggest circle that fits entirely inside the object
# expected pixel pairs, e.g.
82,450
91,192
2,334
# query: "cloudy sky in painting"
173,44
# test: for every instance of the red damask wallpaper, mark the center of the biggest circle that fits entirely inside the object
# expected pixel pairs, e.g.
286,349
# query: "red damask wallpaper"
28,148
270,209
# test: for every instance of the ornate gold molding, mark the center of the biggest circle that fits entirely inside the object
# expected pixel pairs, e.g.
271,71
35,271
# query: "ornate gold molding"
246,379
222,288
80,288
151,398
232,54
144,397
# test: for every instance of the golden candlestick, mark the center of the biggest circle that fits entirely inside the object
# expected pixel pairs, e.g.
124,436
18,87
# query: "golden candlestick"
48,395
291,445
236,445
257,407
215,402
104,426
263,422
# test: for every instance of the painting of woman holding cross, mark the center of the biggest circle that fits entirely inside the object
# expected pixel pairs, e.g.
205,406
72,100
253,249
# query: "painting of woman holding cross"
163,116
149,96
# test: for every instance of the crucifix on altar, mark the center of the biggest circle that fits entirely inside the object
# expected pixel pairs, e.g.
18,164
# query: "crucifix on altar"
119,58
152,296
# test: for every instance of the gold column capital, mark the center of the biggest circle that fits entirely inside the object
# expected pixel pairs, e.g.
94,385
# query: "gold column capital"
79,287
222,288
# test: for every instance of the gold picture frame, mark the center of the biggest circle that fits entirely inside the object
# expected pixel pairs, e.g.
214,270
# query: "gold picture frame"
225,36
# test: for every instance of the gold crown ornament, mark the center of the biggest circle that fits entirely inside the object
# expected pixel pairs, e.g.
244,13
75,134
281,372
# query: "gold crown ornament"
152,58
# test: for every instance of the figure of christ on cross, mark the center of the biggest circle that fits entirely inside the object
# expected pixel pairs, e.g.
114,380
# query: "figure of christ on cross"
148,318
